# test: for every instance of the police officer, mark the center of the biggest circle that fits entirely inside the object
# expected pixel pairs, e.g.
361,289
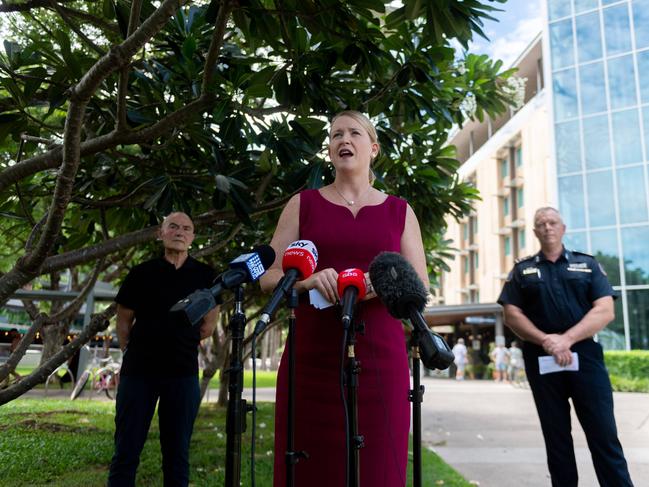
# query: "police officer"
556,301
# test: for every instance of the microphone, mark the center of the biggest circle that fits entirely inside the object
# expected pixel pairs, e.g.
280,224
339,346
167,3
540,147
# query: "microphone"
351,287
398,285
299,262
245,268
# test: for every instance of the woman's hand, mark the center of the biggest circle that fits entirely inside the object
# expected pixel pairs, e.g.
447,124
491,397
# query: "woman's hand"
369,289
325,281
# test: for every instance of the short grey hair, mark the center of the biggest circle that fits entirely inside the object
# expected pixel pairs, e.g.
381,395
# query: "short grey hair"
545,209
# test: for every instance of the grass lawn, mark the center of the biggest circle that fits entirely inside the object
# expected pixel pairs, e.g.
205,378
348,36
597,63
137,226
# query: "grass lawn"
265,378
69,444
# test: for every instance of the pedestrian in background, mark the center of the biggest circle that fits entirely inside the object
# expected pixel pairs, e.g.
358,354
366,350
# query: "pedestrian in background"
461,358
500,357
516,367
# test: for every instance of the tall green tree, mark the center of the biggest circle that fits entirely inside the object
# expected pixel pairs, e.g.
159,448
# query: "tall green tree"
117,112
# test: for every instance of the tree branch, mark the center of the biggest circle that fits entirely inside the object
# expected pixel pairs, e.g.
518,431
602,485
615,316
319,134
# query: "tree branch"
99,322
86,17
77,30
52,158
28,267
215,45
215,248
122,87
26,6
128,240
75,305
23,345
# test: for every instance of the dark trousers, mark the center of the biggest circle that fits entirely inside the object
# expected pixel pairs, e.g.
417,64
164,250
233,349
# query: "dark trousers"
592,397
179,399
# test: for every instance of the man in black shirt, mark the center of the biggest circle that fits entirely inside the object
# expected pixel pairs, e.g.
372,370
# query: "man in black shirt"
160,363
556,301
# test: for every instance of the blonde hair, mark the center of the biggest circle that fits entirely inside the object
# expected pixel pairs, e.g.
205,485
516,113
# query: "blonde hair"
369,128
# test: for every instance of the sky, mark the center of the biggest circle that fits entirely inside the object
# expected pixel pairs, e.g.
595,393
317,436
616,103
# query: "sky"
518,24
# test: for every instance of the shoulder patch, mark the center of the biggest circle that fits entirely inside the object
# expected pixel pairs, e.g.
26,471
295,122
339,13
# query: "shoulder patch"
577,252
523,259
602,269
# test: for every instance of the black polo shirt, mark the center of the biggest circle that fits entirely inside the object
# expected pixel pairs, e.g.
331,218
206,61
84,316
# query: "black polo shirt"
555,296
160,343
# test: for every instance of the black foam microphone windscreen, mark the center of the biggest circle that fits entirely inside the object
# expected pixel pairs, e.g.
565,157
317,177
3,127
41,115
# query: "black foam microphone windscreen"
397,284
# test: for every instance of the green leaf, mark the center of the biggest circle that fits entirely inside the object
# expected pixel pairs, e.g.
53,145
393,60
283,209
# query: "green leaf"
352,54
281,88
413,8
189,47
315,175
221,111
108,9
240,206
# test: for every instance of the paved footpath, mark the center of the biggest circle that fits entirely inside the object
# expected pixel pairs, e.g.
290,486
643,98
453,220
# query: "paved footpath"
490,433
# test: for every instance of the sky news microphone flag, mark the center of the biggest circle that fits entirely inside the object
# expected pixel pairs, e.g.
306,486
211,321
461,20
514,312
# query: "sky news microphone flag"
298,263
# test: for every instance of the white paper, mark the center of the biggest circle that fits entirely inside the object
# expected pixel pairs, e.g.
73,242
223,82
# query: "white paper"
548,365
317,300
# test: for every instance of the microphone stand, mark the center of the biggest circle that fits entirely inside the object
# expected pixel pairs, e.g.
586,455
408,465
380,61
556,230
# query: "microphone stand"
356,441
237,408
292,457
416,396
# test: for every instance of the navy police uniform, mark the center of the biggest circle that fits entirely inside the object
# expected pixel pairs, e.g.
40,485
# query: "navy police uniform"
555,296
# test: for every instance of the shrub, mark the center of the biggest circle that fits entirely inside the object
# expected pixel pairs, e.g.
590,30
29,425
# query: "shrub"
629,370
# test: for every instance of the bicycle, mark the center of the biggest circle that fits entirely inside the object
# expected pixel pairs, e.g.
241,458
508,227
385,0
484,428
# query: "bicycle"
55,375
102,373
106,379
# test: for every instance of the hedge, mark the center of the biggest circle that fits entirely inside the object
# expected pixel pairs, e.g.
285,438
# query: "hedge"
629,370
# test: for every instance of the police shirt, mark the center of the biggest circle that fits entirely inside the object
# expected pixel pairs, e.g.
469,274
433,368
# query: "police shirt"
555,296
161,343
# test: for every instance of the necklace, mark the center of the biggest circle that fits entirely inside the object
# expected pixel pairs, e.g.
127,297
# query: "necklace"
352,202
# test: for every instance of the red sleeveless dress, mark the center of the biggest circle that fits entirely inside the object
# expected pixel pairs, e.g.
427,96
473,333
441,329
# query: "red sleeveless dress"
345,241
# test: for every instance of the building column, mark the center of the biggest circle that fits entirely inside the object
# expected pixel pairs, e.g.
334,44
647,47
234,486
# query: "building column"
499,329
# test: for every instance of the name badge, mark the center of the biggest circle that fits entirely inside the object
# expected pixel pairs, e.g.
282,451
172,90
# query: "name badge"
530,270
579,269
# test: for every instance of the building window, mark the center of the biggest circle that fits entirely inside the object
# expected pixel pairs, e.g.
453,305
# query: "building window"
521,239
519,156
475,260
519,197
506,206
466,265
504,168
475,226
465,232
508,246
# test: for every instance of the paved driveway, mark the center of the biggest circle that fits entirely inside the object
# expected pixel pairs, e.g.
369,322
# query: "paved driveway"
490,433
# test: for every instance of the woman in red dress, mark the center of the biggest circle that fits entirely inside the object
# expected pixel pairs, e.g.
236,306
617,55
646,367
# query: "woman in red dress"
350,222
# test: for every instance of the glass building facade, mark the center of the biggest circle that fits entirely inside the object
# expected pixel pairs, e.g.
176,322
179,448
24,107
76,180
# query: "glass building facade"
599,64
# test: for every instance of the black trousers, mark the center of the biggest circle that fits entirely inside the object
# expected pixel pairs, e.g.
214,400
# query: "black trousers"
178,399
592,397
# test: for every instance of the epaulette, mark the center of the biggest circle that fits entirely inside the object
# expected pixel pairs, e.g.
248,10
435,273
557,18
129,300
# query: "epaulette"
582,253
523,259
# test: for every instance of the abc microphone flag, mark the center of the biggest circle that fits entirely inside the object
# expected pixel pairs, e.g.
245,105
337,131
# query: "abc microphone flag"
351,288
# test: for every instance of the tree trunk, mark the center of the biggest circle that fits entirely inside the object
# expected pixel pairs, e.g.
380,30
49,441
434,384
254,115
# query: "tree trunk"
53,339
263,351
275,344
